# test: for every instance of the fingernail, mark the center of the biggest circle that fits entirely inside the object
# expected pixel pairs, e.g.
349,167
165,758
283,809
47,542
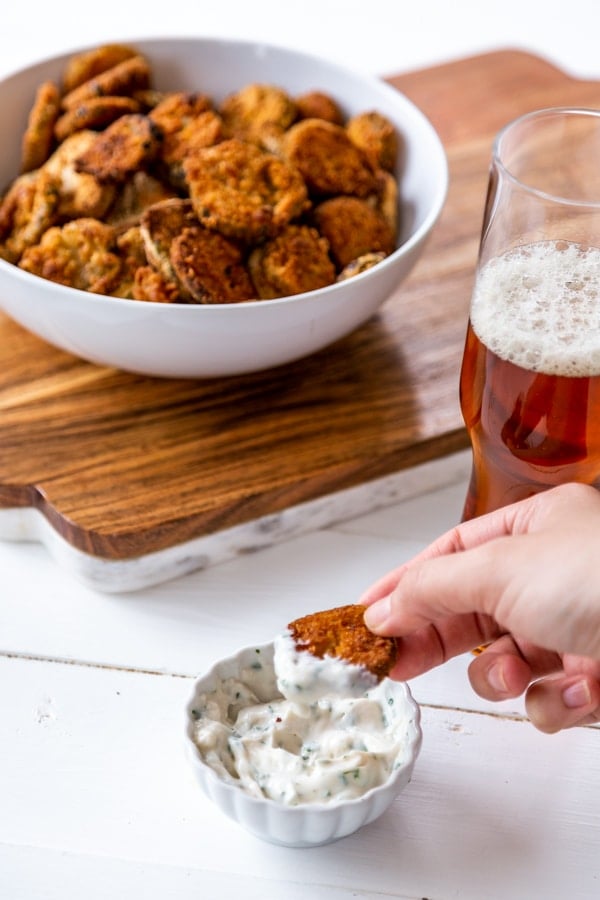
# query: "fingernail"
495,677
577,695
378,613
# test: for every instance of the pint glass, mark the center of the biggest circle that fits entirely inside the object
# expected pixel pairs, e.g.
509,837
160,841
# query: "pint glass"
530,378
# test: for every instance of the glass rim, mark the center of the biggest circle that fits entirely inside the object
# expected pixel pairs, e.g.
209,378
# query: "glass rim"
546,112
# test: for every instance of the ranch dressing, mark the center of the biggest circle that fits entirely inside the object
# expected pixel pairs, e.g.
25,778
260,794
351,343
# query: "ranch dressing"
298,729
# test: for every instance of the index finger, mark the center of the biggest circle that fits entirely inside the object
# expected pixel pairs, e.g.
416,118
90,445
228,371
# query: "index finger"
465,536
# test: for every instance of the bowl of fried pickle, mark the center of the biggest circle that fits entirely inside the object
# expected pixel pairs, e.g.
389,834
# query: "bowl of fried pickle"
205,207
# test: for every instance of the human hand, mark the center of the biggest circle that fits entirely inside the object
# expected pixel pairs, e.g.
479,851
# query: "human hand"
524,580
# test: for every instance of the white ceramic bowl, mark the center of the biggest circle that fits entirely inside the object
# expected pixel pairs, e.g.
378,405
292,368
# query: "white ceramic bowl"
179,340
309,824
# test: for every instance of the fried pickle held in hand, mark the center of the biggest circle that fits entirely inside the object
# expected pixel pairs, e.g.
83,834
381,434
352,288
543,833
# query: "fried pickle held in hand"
341,632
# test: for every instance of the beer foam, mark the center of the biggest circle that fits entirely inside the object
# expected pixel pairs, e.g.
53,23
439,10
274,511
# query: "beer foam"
538,306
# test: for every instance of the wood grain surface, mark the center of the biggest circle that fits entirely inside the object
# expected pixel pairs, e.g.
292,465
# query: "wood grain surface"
122,465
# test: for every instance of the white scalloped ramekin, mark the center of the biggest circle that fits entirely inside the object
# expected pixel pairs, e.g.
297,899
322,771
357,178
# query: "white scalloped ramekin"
309,824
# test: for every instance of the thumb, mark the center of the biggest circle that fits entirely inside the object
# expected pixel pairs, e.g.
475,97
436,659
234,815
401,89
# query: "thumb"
535,588
431,589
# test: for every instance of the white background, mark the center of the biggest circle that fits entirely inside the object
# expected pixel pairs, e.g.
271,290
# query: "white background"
379,36
96,800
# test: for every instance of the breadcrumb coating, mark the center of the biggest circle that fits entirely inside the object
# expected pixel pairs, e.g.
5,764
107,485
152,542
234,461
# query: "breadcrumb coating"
342,632
256,110
294,261
81,254
318,105
130,249
210,267
80,195
151,286
95,113
84,66
376,137
353,228
160,224
120,80
328,160
38,139
140,192
28,209
242,191
360,264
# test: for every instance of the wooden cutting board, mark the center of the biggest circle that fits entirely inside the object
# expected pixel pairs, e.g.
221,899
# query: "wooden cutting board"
122,465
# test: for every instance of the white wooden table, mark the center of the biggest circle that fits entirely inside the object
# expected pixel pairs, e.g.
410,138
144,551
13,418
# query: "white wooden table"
96,798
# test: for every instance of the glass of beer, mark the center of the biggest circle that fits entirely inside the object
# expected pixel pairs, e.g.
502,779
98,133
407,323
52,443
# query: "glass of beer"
530,378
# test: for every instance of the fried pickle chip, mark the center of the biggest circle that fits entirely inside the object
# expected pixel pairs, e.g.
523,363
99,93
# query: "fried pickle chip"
385,200
122,79
294,261
205,130
87,65
27,210
38,138
210,267
341,632
129,144
149,98
327,159
177,109
376,137
82,254
160,224
131,251
188,123
151,286
136,195
93,113
359,265
80,195
255,109
353,228
317,105
242,191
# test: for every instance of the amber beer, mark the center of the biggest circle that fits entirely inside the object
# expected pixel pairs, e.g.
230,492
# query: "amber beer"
530,380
